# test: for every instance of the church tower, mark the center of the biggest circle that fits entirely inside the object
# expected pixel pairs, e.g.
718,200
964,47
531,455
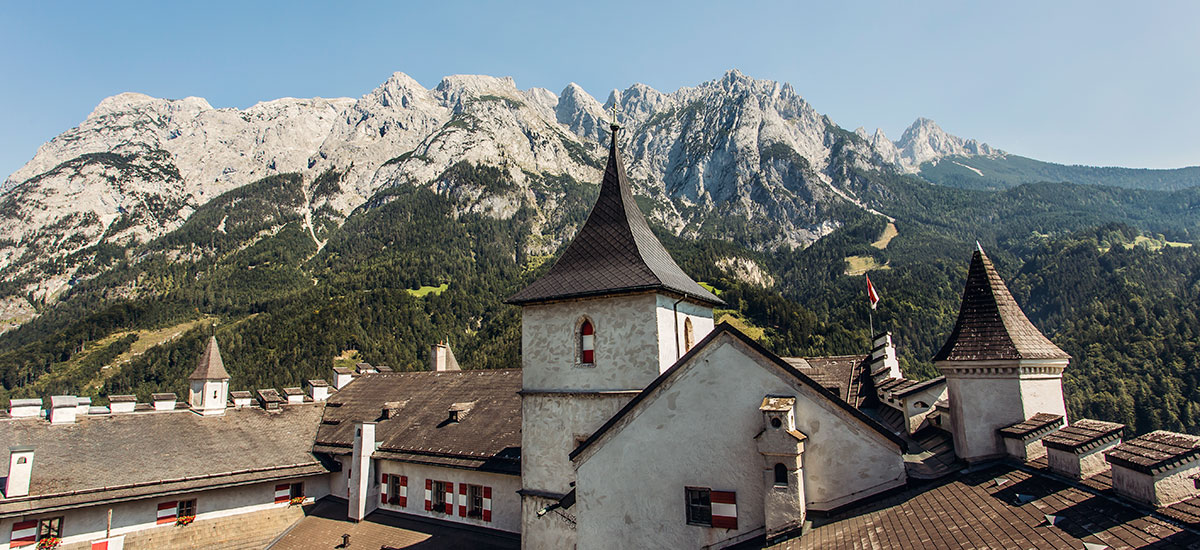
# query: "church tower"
613,312
209,383
999,368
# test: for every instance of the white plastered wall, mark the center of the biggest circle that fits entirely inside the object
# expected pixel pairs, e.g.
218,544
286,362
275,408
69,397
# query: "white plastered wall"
697,430
506,503
981,404
88,523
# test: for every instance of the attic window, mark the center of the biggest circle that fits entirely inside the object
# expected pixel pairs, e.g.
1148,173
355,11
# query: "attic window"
587,343
458,411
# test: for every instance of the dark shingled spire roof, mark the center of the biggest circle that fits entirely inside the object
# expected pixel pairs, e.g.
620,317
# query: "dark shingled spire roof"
615,251
211,367
991,325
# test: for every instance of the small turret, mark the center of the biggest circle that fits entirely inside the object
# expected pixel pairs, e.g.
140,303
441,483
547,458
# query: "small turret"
209,382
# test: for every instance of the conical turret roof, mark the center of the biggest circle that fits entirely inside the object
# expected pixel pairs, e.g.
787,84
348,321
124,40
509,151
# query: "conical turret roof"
991,326
211,367
614,252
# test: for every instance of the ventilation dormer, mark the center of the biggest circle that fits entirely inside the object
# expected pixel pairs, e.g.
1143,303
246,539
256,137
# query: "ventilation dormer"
458,411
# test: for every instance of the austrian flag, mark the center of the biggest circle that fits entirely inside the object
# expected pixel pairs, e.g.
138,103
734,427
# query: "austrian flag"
872,296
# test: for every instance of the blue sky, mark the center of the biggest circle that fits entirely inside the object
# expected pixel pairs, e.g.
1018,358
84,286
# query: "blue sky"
1073,82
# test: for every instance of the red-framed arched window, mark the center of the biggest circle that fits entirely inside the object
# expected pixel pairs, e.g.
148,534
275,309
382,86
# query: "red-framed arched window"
587,342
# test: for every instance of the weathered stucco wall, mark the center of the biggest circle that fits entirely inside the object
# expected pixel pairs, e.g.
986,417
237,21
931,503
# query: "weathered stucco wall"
626,340
984,401
1163,489
138,519
506,503
702,423
672,321
916,413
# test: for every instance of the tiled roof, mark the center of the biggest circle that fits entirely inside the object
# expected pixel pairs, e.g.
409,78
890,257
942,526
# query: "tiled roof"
1155,451
841,374
990,323
1038,423
210,366
417,425
90,461
918,386
1083,434
614,252
977,510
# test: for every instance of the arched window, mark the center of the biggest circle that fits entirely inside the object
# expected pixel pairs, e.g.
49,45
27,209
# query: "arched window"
689,338
781,474
587,343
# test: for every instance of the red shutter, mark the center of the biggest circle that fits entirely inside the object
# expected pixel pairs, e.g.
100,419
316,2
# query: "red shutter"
462,500
428,495
167,511
724,509
487,504
587,343
24,533
283,493
383,489
402,498
449,498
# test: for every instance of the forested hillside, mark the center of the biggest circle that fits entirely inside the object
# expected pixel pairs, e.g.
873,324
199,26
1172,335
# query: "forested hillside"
1107,273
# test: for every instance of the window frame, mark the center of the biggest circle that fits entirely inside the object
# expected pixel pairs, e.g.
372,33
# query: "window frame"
438,498
393,489
182,507
781,467
689,335
696,501
581,354
52,527
475,501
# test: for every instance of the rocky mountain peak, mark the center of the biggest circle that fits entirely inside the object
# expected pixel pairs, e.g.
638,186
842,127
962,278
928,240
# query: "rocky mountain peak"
924,141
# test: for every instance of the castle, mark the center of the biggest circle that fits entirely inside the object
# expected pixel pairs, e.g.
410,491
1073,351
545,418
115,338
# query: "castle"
633,422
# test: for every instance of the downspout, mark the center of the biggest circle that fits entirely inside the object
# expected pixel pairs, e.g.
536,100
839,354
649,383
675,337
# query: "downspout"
675,310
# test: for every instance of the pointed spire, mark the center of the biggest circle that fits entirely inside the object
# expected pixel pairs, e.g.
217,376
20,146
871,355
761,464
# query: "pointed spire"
210,366
614,252
991,326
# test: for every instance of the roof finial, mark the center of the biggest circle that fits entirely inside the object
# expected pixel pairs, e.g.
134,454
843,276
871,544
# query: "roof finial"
616,111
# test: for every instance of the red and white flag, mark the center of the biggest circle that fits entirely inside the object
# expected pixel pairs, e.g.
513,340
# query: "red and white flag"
872,296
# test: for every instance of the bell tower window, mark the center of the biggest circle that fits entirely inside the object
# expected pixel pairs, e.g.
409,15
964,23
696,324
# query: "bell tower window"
587,343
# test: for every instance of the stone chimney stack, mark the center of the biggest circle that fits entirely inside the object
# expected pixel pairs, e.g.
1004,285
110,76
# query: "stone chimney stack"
1159,468
360,471
884,363
782,449
341,377
318,390
24,408
63,409
441,358
20,471
1077,451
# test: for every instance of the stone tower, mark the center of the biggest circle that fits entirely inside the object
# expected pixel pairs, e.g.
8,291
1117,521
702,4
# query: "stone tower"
611,314
209,383
999,368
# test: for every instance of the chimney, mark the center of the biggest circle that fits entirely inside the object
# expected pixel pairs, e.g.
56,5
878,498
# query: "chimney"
781,446
1077,451
318,390
163,401
441,358
458,411
365,368
883,358
1157,468
360,470
269,399
1023,440
121,404
63,408
294,395
83,405
241,399
24,408
341,377
20,471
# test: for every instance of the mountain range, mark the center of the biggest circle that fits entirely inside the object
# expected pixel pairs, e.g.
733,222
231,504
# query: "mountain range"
318,229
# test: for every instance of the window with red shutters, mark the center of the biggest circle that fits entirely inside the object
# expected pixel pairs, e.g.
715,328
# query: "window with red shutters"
587,343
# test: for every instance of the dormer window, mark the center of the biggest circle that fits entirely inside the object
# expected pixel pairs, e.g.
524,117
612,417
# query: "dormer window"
587,343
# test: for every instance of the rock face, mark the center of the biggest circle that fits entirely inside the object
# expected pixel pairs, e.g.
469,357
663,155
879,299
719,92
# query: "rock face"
733,158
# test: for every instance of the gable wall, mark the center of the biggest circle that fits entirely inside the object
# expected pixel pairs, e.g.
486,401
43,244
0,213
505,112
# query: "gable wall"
698,430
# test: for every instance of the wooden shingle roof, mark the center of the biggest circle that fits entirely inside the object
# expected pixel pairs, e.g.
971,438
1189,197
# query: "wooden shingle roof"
991,326
210,366
1037,424
1083,434
614,252
1155,451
